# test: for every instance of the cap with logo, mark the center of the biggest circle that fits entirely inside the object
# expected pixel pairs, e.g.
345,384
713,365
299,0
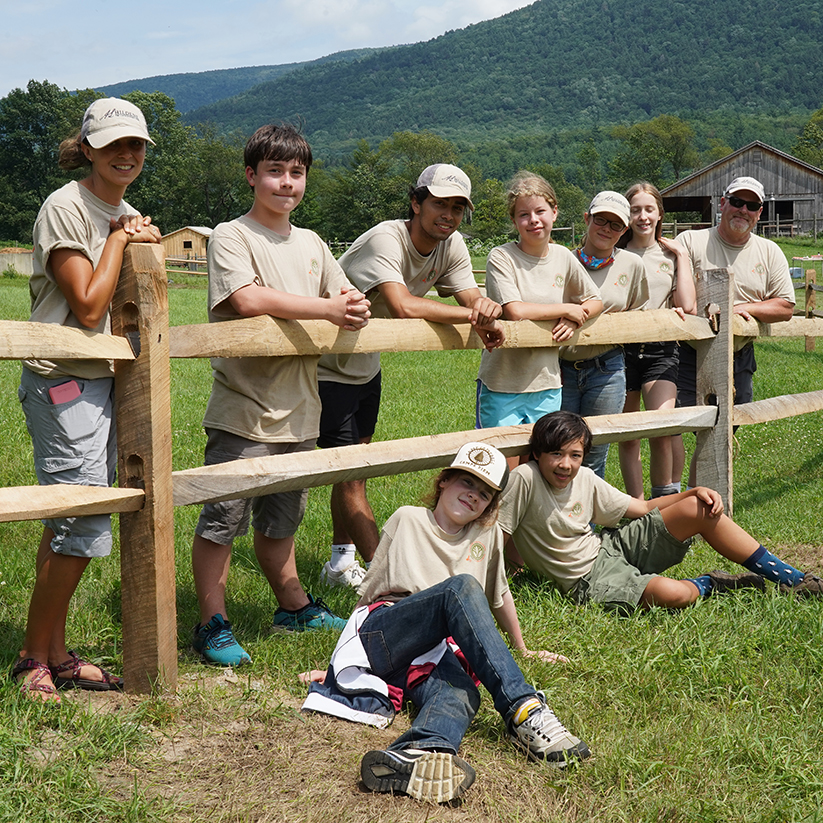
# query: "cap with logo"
746,184
109,119
445,180
612,202
483,461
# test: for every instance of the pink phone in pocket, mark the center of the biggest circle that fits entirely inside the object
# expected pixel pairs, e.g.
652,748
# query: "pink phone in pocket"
64,393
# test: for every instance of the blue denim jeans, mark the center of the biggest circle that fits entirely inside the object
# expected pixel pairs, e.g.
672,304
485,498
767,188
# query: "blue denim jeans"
448,699
598,386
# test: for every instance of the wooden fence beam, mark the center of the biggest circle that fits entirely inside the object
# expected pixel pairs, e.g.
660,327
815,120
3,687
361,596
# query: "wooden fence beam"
24,340
37,502
265,475
778,408
713,453
811,303
142,393
267,336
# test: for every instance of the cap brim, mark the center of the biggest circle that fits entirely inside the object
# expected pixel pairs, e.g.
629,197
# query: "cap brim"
102,138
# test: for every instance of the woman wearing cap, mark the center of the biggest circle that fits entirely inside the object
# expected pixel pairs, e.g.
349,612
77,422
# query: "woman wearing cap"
80,235
594,377
653,367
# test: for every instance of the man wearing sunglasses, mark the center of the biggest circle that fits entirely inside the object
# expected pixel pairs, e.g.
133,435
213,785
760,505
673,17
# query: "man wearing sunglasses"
762,284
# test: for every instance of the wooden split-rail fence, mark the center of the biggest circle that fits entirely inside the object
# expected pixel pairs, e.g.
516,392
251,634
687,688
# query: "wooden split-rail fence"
142,344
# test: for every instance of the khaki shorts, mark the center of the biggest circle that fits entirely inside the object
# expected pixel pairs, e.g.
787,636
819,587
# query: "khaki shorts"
629,558
275,515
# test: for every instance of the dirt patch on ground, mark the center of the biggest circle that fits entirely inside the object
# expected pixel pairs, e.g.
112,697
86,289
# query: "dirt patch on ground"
251,755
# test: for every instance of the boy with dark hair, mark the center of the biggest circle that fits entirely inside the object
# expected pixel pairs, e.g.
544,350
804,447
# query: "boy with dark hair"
259,406
396,263
551,502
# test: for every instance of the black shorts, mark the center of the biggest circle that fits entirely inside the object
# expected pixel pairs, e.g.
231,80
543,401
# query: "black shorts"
744,367
349,412
646,362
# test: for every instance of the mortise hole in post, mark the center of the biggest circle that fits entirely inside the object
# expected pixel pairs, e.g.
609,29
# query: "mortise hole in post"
130,317
134,471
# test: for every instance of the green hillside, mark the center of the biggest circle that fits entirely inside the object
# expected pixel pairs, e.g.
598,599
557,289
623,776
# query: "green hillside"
556,64
194,89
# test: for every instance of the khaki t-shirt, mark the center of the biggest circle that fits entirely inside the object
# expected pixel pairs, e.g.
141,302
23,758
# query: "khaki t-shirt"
266,399
760,268
386,254
623,287
661,274
71,218
551,527
514,276
415,554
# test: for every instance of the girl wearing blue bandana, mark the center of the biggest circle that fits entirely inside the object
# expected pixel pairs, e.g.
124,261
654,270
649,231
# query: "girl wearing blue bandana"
594,377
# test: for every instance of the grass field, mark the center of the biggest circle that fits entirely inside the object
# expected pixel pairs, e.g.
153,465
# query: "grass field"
711,714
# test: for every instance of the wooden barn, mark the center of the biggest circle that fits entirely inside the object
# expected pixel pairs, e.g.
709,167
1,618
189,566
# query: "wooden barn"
794,189
188,243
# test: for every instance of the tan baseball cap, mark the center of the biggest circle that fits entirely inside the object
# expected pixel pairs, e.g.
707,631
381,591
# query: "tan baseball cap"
445,180
612,202
483,461
109,119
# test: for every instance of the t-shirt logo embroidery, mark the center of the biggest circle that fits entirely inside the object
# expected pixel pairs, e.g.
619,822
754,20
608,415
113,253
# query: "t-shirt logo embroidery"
558,281
431,276
477,552
314,267
760,269
666,267
623,280
577,510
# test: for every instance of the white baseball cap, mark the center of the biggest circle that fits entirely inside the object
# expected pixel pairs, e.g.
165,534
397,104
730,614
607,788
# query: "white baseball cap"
445,180
483,461
109,119
746,184
612,202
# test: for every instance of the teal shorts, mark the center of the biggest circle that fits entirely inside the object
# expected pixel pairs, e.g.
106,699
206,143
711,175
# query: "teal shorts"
629,558
496,408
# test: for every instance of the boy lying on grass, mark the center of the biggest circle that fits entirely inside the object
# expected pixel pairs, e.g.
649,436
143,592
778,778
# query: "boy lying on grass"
436,579
551,501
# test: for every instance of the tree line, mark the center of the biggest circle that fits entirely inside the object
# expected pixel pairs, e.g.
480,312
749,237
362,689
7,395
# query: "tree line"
194,175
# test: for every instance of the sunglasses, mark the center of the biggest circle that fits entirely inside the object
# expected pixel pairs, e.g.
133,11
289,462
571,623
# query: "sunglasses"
751,205
601,221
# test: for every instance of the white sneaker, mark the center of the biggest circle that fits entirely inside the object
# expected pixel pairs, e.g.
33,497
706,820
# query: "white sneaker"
535,728
351,576
435,777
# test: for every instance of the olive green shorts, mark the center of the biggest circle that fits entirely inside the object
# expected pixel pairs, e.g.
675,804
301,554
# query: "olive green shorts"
629,557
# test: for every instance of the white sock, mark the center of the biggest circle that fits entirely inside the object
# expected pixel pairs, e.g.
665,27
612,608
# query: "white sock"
342,556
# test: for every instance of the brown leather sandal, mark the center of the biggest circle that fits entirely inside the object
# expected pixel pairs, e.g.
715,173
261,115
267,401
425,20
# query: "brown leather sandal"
110,682
30,685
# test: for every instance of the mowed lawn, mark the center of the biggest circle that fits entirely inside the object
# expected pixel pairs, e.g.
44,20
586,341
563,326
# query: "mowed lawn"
710,714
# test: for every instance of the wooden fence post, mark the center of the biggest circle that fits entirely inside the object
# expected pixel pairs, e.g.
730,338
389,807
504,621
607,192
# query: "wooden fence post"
142,393
811,276
715,384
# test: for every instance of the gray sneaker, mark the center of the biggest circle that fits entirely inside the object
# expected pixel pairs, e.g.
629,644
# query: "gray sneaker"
725,582
810,586
535,729
436,777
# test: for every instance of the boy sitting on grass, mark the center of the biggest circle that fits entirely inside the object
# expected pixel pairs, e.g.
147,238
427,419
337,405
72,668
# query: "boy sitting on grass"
437,577
260,406
551,501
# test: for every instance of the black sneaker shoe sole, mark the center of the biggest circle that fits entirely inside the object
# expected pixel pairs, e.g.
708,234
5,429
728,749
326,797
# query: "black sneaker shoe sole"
434,777
725,582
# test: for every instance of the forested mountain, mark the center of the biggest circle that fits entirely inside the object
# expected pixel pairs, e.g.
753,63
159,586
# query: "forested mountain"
555,64
194,89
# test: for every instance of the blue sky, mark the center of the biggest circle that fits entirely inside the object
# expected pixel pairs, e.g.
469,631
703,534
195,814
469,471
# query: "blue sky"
92,43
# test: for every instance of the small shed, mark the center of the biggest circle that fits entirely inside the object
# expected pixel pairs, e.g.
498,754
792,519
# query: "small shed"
188,243
794,189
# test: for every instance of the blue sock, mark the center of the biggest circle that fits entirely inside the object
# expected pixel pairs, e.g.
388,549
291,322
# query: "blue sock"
764,563
704,584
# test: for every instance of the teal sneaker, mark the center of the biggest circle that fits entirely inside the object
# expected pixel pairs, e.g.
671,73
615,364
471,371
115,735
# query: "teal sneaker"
216,644
314,615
